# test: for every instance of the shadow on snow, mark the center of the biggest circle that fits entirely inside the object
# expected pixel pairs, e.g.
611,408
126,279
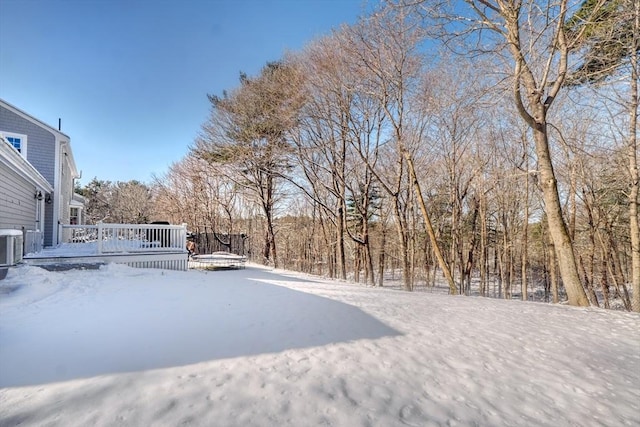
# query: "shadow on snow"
220,315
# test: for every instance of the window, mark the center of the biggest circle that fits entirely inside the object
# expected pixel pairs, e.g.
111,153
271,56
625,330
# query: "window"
74,216
17,141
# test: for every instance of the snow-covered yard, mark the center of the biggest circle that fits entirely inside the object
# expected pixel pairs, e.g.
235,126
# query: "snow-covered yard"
253,347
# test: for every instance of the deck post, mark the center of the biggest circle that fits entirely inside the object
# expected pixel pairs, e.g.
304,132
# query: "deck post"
99,238
183,236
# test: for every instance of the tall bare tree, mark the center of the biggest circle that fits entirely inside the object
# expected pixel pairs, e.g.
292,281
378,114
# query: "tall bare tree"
324,134
634,174
248,131
533,33
386,44
608,34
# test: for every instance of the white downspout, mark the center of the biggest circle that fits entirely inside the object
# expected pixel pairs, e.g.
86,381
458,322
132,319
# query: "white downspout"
55,239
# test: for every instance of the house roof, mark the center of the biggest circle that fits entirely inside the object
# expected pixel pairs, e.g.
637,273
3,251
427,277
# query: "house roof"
58,134
12,159
33,119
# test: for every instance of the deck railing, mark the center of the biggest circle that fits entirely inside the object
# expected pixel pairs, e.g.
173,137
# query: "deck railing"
127,238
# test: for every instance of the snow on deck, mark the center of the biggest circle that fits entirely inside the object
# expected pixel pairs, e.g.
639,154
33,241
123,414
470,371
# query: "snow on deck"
70,255
66,250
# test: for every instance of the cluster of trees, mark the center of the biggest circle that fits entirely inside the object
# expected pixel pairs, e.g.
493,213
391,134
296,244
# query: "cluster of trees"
491,144
117,202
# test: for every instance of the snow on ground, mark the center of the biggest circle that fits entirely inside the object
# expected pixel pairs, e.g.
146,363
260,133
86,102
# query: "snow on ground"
253,347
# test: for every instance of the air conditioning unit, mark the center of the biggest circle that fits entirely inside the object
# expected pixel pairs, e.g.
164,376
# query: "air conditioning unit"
10,247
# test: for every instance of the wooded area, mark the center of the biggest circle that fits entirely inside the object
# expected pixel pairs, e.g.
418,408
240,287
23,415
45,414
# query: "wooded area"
487,145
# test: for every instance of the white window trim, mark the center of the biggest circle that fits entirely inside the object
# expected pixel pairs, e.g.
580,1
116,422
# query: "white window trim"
23,141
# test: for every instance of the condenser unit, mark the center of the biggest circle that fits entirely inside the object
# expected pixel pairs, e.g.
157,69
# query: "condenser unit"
10,247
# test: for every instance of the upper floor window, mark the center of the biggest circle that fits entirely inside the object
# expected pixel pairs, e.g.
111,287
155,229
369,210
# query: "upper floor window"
17,141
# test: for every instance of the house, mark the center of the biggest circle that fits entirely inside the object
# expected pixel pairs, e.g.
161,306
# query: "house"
37,173
22,193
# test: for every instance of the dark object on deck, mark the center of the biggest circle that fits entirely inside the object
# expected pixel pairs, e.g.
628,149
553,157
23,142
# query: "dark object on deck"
160,236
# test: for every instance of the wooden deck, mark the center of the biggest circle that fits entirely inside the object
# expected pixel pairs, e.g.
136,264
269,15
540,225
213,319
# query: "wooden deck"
165,260
136,245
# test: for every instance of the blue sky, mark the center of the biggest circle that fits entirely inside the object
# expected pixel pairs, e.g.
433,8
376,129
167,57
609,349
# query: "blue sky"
129,78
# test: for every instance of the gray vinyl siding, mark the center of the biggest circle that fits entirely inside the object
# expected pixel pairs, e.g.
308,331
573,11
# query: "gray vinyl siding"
41,153
41,144
17,204
65,191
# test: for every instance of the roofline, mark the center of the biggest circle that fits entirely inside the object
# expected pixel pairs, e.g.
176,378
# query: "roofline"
33,119
10,157
60,136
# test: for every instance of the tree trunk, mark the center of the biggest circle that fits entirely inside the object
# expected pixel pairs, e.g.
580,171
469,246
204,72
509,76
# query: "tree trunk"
453,290
557,228
537,121
269,253
428,260
553,274
369,264
505,264
484,252
592,254
525,236
604,283
590,291
357,252
634,228
342,259
381,256
368,258
402,238
453,250
466,277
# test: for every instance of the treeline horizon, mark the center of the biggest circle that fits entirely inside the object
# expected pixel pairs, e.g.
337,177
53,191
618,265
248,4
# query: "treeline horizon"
494,152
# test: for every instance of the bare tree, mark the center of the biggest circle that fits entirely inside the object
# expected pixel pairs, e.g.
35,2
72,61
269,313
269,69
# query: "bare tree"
634,174
386,44
127,202
451,125
248,130
533,33
131,203
608,34
323,135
